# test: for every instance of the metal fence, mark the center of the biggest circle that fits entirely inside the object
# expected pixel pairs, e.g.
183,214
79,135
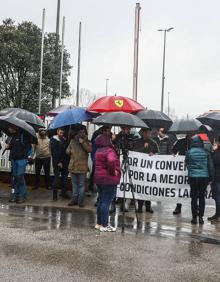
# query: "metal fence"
5,164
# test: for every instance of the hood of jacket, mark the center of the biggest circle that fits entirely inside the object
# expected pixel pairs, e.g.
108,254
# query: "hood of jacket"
103,140
196,142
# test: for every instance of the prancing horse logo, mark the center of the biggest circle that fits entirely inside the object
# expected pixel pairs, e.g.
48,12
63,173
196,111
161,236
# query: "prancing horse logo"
119,103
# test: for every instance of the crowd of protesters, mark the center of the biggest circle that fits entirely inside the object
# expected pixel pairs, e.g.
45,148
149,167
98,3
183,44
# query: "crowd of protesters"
68,152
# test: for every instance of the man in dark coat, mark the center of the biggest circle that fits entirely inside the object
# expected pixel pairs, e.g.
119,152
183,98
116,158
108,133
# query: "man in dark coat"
163,142
180,148
148,146
60,161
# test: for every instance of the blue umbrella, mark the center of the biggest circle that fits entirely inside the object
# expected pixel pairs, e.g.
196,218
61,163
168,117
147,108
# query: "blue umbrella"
72,116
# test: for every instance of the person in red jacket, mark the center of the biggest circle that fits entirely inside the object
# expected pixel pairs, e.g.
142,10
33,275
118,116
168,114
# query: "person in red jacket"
107,176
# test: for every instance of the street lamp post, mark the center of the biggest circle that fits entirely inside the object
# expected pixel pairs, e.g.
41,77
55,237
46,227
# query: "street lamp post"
163,70
79,65
106,86
41,62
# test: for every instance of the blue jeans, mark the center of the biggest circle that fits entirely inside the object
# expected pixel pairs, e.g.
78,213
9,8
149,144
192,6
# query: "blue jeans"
216,196
106,194
18,170
78,186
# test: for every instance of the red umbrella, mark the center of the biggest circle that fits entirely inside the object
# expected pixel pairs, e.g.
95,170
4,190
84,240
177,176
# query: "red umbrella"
115,104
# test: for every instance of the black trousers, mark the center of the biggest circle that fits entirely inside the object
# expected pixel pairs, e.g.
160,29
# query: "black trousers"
63,172
91,180
141,203
198,190
45,164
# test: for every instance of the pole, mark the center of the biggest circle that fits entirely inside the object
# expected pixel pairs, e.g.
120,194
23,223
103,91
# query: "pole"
58,19
106,87
56,54
78,71
61,64
163,71
41,61
136,49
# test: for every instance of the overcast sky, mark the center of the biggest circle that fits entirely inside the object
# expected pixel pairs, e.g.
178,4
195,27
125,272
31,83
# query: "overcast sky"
193,47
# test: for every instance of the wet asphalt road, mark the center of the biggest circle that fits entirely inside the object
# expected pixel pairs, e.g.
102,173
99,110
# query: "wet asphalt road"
41,242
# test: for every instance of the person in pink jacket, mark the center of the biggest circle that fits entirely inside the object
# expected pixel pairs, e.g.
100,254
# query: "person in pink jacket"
107,177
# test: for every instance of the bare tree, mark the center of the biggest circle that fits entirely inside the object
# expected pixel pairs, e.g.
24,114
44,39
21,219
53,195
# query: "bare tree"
87,97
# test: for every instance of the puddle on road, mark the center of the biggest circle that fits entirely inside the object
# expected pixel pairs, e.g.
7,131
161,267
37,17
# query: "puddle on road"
50,218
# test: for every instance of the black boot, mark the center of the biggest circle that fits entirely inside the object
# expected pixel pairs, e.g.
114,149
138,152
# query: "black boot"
201,221
194,220
177,209
148,207
54,195
140,206
212,217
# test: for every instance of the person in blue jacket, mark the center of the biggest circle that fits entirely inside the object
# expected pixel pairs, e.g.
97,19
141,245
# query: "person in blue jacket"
20,151
200,172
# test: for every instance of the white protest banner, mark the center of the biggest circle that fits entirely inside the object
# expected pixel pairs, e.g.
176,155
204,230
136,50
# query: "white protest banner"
157,178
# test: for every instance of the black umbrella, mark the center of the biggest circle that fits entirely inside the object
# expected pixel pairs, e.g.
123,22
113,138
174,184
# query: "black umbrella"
155,119
119,119
212,119
24,115
6,121
184,126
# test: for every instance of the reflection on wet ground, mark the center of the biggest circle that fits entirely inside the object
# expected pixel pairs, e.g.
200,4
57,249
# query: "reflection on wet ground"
161,224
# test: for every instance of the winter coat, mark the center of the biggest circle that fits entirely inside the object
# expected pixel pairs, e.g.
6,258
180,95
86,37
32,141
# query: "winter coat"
58,151
123,141
79,154
107,162
152,147
164,145
198,160
20,146
216,161
42,148
181,146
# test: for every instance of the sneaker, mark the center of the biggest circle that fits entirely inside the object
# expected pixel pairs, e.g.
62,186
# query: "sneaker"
194,220
108,228
98,226
73,203
201,221
212,218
